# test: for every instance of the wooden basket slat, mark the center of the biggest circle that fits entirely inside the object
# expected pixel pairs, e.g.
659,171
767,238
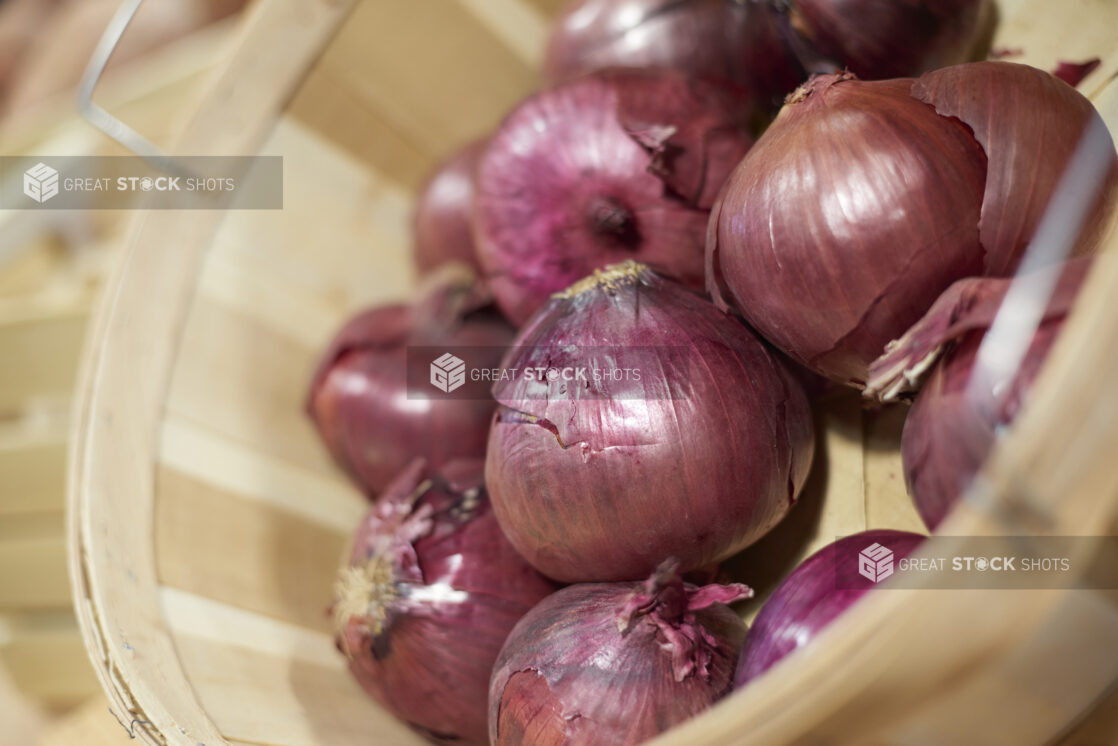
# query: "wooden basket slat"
33,572
362,229
549,8
47,346
239,377
203,618
254,556
518,24
431,74
264,699
1084,29
198,453
45,655
32,470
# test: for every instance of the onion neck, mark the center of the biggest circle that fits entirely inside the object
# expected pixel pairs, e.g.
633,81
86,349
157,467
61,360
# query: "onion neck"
365,592
613,277
666,602
816,85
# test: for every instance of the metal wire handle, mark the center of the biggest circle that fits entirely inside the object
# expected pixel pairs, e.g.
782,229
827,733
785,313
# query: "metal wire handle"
101,118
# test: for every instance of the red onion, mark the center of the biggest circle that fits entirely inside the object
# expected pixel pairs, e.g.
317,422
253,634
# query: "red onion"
948,434
431,592
604,478
622,164
812,597
444,229
615,663
359,398
739,43
888,39
861,203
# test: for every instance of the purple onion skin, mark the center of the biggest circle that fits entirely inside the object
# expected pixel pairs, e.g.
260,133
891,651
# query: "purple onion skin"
431,592
359,401
878,39
614,663
810,599
740,44
444,229
697,461
948,434
623,164
865,200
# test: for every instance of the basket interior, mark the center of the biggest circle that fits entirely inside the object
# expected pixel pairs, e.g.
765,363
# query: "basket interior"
251,517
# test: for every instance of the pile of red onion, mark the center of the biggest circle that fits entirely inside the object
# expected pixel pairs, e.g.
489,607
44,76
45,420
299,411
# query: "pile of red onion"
640,432
369,417
431,591
865,200
615,663
695,457
959,410
820,589
620,165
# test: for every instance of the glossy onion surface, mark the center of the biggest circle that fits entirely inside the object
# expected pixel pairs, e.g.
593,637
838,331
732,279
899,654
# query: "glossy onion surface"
812,597
604,479
865,200
359,397
444,227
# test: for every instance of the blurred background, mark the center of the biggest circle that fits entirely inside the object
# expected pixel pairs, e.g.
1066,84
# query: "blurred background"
52,266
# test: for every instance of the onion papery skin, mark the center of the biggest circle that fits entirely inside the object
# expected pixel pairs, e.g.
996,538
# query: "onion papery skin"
444,227
741,44
812,597
846,220
876,39
866,199
948,434
358,398
614,663
430,594
697,460
1029,124
622,164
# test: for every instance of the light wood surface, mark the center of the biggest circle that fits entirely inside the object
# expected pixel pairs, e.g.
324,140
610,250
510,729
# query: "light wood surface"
208,520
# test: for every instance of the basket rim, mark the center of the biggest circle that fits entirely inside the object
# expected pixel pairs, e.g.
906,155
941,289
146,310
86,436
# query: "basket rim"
269,55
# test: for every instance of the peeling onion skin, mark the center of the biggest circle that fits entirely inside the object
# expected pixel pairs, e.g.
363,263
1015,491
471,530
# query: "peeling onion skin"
430,594
878,39
615,663
358,397
444,228
868,199
810,598
947,434
696,461
623,164
846,220
1029,124
737,43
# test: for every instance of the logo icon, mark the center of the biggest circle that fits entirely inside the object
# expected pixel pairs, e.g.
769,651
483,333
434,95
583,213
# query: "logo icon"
40,182
448,373
875,562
